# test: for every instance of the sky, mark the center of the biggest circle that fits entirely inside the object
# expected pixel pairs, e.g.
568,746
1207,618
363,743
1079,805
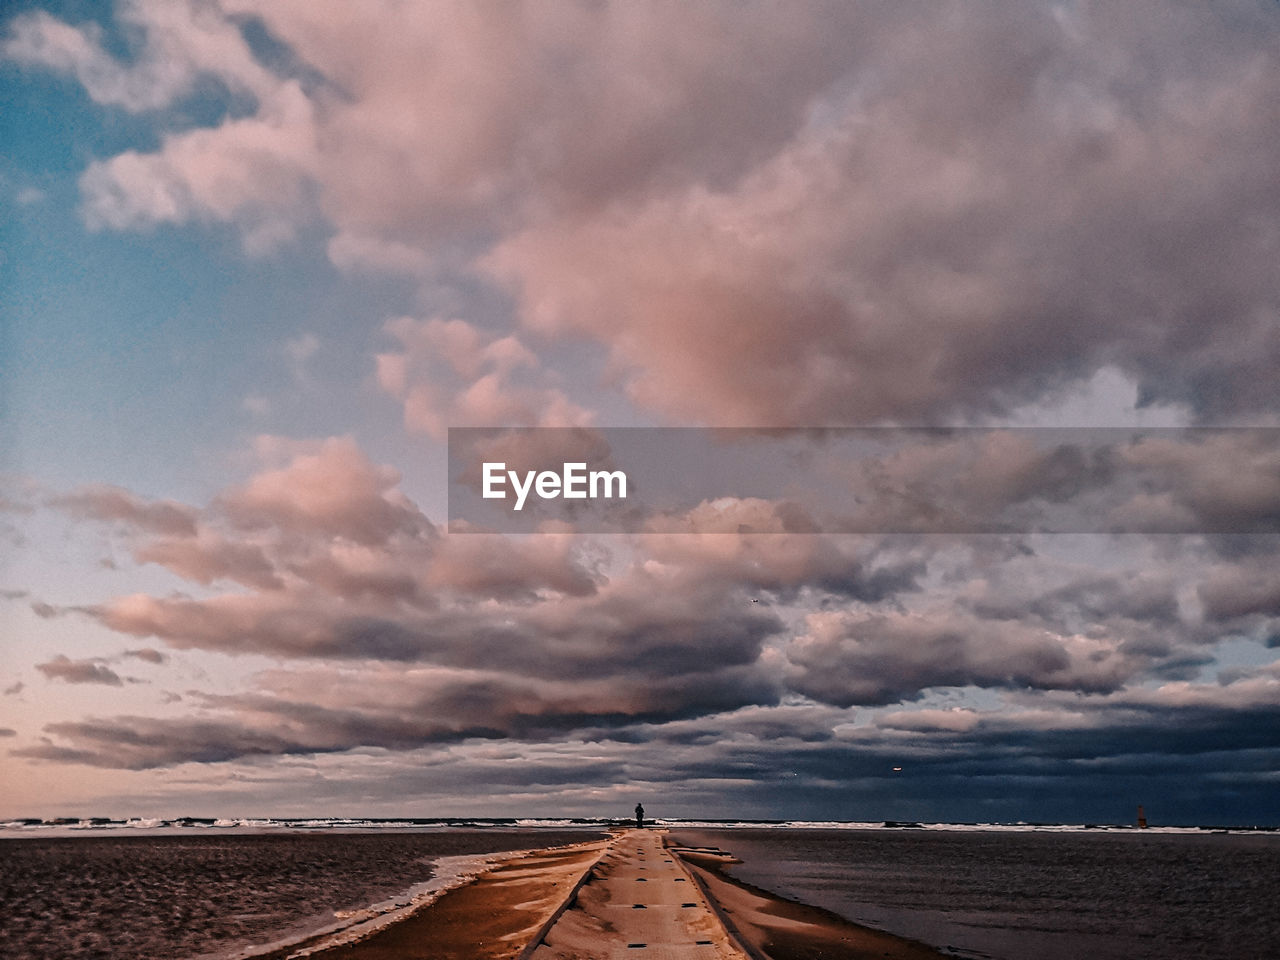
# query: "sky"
258,258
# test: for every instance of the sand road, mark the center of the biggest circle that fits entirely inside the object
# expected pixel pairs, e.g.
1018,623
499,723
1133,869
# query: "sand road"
639,903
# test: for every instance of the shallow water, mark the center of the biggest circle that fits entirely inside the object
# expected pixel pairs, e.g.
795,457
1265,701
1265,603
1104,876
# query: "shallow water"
1031,895
174,897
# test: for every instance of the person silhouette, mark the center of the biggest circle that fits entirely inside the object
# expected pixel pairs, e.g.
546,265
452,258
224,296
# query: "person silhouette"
639,816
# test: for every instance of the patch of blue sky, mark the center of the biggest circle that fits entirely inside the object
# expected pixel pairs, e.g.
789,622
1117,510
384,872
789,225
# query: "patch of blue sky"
124,345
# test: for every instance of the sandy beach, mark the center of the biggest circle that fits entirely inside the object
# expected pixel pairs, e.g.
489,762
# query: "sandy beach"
632,895
494,916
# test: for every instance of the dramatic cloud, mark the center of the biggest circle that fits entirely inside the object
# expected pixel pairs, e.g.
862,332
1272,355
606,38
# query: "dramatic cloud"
812,215
1195,750
399,709
401,637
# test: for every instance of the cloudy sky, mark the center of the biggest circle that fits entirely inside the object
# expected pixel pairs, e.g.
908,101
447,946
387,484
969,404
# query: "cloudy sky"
260,255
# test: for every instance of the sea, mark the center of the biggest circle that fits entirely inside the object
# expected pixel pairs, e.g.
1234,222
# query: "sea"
1016,892
199,889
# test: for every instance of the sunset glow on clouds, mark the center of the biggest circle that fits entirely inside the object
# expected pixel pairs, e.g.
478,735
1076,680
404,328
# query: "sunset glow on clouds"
263,255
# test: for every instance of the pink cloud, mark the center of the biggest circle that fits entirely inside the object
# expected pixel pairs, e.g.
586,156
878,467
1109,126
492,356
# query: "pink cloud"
335,491
209,557
824,214
108,503
956,720
451,373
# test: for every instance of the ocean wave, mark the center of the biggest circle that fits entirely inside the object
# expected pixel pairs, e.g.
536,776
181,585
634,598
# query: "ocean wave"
157,825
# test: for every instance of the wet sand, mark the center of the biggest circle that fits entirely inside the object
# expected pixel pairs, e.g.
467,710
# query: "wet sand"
629,896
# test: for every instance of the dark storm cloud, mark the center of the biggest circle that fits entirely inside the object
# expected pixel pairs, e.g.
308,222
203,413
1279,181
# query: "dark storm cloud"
881,659
1185,752
148,654
618,632
1239,546
62,667
400,713
873,585
1237,592
1137,611
1095,761
139,743
1135,597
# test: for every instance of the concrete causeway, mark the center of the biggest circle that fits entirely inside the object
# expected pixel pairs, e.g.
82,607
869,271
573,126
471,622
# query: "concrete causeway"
637,902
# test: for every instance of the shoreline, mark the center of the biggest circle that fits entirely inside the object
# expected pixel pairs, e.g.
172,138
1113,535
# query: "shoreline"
478,919
505,911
